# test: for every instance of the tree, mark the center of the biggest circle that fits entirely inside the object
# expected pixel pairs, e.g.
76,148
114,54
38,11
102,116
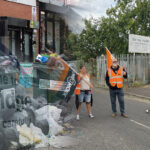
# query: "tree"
126,17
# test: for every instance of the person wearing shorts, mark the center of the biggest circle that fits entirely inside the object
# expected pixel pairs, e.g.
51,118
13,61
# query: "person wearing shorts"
84,91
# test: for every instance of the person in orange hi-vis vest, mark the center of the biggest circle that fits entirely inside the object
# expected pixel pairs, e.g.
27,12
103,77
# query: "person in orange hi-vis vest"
114,80
83,91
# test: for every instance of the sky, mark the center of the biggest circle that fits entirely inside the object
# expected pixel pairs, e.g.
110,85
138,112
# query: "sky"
94,8
87,9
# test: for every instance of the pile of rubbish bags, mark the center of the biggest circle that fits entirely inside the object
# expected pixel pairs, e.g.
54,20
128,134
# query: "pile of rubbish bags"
31,123
27,123
9,64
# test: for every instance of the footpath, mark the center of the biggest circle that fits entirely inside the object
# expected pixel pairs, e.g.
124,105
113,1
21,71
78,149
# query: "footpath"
142,92
139,92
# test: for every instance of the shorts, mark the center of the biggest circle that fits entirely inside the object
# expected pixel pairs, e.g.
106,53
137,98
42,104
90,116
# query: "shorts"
85,96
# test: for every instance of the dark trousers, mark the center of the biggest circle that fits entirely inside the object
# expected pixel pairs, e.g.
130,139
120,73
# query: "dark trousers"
117,93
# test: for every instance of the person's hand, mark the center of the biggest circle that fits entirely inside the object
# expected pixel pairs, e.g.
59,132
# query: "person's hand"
124,73
91,86
81,76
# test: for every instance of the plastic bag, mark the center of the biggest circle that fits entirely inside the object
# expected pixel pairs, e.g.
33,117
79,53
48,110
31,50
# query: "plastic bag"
63,141
43,125
55,128
37,132
27,136
49,111
41,58
52,115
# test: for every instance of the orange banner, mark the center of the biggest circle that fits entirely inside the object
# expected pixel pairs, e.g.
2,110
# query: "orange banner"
109,58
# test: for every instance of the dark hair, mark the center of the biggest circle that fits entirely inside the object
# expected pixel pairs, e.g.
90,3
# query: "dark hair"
81,66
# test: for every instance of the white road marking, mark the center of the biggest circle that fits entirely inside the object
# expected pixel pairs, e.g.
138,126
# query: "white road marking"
147,127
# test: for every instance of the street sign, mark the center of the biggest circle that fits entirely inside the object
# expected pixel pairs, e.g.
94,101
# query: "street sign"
139,44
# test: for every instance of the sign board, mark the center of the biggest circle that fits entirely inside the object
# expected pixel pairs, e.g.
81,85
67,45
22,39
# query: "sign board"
7,80
139,44
26,75
34,13
8,99
25,2
52,85
34,24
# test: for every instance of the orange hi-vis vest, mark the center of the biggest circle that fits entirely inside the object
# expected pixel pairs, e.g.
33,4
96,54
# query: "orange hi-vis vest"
78,87
116,79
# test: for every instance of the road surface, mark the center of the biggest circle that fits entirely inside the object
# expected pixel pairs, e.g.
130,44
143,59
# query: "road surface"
107,133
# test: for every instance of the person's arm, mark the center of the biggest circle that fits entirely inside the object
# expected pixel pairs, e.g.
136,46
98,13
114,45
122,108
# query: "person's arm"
89,83
80,78
125,75
107,79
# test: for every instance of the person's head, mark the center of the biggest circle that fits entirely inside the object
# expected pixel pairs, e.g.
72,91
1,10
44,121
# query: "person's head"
83,69
114,63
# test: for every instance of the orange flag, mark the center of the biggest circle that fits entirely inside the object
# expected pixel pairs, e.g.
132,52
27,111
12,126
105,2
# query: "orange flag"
109,58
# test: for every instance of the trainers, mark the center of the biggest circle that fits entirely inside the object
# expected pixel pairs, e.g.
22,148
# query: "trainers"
124,115
114,115
77,117
91,116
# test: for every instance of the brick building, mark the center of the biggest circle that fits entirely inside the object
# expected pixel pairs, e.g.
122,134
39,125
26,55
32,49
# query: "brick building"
28,26
16,29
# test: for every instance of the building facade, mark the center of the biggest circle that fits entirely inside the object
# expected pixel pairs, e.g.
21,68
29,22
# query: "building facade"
52,25
17,31
28,26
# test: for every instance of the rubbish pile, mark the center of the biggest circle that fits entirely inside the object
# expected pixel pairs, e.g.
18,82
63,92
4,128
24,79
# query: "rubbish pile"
31,123
8,64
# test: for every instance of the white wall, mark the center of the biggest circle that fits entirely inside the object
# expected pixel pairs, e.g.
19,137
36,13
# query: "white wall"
26,2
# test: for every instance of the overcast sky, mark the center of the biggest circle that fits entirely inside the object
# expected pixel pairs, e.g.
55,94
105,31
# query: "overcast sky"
95,8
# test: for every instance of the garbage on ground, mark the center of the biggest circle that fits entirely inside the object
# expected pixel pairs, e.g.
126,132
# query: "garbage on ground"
41,58
33,125
68,126
26,136
43,125
69,118
27,122
49,111
63,142
147,111
8,64
52,115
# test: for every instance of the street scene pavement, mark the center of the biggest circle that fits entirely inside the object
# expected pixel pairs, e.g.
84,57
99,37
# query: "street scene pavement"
107,133
143,91
54,54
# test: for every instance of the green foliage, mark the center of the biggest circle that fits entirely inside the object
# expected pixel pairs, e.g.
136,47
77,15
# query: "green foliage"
126,17
72,46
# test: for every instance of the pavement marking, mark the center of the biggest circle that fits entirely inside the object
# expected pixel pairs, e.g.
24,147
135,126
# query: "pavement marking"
147,127
132,98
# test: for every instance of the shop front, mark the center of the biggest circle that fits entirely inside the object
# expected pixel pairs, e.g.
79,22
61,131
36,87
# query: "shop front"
17,38
18,22
52,27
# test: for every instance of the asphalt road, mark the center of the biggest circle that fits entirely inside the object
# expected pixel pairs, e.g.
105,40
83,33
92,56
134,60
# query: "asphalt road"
107,133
